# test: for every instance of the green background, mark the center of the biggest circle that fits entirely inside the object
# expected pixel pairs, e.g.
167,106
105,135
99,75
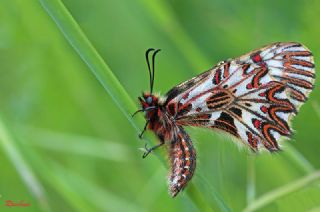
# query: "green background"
65,145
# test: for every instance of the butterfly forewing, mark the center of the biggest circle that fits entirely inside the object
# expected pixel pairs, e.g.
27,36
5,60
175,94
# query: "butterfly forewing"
252,97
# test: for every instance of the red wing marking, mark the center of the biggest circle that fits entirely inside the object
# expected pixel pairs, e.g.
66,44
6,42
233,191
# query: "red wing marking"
256,58
217,77
219,100
226,70
253,141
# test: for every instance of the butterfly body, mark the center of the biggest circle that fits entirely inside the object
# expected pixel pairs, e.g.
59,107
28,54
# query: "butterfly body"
253,98
162,122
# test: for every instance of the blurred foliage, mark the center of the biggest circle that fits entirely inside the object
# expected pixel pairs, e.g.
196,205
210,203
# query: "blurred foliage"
66,146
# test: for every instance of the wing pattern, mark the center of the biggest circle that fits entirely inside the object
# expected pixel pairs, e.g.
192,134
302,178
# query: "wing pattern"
252,97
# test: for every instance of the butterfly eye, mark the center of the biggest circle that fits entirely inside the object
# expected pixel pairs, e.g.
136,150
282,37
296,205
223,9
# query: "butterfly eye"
149,100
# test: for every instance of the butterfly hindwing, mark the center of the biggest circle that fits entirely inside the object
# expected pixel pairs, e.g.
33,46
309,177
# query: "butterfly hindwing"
252,97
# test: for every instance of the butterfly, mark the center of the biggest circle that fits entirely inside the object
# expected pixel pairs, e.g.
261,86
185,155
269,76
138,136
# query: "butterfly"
252,97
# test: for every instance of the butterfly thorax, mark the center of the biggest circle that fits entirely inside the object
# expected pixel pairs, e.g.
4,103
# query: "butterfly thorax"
160,121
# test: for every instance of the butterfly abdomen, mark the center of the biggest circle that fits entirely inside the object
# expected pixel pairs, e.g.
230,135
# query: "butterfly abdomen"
182,154
182,161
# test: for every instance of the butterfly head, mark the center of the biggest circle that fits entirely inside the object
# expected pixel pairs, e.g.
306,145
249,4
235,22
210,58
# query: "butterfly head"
148,100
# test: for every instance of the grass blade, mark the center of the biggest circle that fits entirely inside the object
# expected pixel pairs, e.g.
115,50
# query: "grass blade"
165,18
83,145
10,147
105,200
251,179
297,158
282,191
77,39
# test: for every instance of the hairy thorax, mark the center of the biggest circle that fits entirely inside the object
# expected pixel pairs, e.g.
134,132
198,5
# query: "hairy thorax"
162,124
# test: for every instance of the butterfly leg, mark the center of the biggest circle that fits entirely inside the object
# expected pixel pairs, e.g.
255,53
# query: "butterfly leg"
135,113
144,129
148,151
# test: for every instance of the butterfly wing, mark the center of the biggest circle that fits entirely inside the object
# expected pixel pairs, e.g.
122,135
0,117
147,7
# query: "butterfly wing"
252,97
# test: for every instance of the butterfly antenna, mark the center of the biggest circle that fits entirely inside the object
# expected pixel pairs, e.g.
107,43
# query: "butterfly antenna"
149,68
153,59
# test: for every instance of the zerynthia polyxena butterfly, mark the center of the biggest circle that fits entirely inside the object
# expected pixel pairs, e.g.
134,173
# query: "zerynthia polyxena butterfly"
252,97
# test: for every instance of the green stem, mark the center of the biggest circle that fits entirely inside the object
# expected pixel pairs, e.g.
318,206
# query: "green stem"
251,190
78,40
297,158
73,33
163,16
282,191
82,145
58,182
10,147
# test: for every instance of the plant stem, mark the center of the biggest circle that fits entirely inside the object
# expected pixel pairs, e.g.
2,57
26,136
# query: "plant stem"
78,40
9,146
165,18
297,158
251,190
282,191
